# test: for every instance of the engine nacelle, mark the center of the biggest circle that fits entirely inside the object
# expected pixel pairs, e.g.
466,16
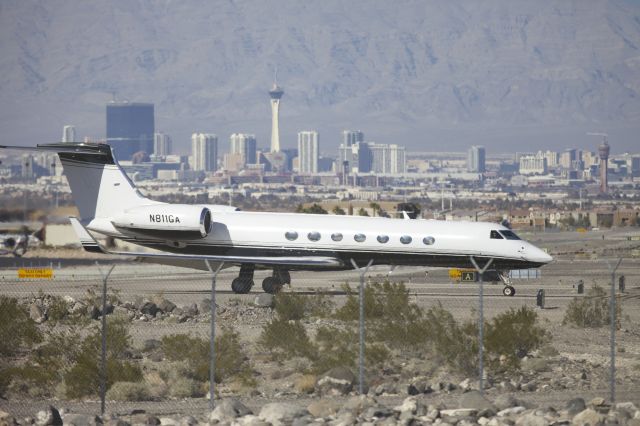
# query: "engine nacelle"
166,221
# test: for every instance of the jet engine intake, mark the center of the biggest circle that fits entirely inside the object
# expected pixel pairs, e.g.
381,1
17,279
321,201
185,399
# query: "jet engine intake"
166,221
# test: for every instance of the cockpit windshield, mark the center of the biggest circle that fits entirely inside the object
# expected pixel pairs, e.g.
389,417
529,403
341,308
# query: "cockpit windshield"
510,235
495,235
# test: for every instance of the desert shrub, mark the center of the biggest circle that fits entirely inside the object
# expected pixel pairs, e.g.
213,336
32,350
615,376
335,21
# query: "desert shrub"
83,379
58,309
18,332
290,306
286,339
305,383
128,391
514,334
320,304
453,343
340,347
592,310
195,353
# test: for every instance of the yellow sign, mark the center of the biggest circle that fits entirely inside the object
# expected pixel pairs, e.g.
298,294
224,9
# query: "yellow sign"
26,273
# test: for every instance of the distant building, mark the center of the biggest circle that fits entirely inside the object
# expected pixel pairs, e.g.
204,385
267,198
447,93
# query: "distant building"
28,166
552,158
68,133
308,151
204,152
387,158
275,94
245,145
161,144
603,151
533,165
567,158
355,158
350,137
130,128
476,159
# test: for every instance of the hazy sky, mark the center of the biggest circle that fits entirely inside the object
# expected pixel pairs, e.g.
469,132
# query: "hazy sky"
432,75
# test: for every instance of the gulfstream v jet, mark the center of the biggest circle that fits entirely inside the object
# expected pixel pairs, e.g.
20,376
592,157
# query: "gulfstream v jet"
185,235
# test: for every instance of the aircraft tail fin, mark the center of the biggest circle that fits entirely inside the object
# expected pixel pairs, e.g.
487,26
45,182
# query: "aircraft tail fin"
99,186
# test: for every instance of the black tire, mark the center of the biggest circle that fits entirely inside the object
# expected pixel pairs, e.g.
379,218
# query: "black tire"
271,285
283,276
509,291
241,285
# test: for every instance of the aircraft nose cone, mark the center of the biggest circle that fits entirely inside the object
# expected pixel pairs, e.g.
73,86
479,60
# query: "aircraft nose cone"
537,255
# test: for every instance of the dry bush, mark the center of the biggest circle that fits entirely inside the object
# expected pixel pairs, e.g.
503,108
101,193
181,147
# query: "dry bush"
592,310
305,383
285,339
128,391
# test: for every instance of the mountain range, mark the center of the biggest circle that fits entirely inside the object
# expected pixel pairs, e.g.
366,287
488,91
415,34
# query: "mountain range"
429,74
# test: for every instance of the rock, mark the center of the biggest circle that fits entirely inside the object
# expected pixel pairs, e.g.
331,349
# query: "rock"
191,310
588,417
505,401
531,419
81,420
205,306
358,404
227,410
409,404
187,421
337,381
323,408
575,406
116,422
377,412
474,399
385,389
628,407
529,386
145,419
36,314
345,418
264,300
459,412
93,312
419,385
47,417
278,413
7,419
513,411
147,307
597,401
465,385
166,306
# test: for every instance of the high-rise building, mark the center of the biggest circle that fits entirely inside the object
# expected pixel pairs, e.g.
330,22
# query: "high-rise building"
161,144
551,156
387,158
69,133
356,158
567,158
350,137
275,93
130,128
245,145
204,152
308,151
476,159
533,164
603,151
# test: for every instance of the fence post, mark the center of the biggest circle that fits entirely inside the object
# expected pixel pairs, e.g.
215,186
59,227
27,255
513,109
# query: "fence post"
612,320
363,272
103,355
212,343
481,320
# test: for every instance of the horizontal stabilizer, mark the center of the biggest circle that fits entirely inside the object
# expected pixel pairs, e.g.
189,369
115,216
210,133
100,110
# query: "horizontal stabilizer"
90,244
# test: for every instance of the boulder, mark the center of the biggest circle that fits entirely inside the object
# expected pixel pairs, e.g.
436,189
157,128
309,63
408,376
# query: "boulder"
187,421
588,417
418,386
147,307
575,406
337,381
278,413
227,410
323,407
531,419
47,417
264,300
191,310
166,305
7,419
505,401
81,420
358,404
513,411
474,399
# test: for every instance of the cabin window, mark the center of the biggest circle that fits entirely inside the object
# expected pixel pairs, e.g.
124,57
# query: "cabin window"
383,239
291,235
510,235
360,238
336,236
405,239
314,236
495,235
428,240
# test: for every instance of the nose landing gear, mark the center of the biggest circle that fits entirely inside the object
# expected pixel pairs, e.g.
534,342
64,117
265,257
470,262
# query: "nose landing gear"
508,289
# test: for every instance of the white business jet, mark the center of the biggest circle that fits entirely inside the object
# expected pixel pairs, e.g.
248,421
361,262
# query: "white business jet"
185,235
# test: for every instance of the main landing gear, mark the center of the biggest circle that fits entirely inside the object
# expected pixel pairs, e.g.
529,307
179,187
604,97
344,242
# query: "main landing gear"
271,284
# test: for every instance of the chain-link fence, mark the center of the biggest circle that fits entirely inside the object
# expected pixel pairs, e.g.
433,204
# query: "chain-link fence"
550,342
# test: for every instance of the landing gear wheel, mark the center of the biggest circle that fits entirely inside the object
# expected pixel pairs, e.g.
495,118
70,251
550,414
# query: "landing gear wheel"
282,275
271,285
241,285
509,291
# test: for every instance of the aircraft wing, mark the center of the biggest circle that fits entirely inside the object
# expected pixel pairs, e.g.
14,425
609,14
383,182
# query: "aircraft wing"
90,244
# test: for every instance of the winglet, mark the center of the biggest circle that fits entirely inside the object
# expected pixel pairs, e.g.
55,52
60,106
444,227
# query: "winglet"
88,242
